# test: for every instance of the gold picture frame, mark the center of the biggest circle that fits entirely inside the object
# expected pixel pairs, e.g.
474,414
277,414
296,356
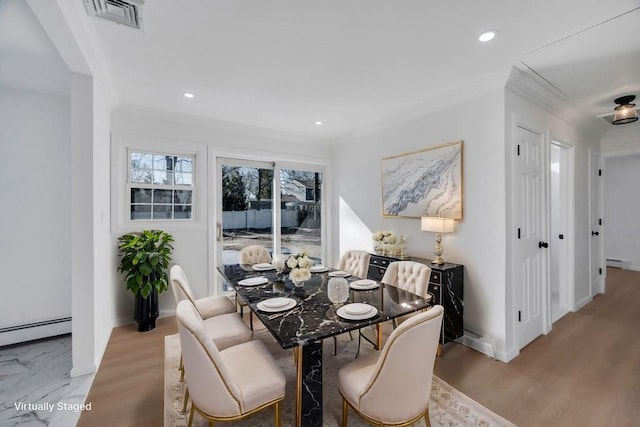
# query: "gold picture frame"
423,183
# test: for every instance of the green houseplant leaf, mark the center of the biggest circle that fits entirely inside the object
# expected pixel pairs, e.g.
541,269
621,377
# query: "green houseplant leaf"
146,255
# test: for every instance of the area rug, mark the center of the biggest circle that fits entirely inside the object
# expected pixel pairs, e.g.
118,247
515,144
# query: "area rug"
448,406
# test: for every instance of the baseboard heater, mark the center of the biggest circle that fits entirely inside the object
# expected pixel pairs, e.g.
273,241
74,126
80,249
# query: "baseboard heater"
35,330
616,263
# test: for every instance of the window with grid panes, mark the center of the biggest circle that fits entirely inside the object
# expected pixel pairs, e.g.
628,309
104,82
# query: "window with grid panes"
160,186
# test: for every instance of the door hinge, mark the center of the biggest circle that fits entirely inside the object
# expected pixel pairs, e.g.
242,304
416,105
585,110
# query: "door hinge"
519,316
518,233
600,271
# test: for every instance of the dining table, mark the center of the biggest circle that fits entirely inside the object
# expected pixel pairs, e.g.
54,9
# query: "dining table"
312,317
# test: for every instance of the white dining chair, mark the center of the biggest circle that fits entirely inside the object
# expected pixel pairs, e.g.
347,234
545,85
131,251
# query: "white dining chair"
409,276
208,306
355,262
393,386
229,384
250,255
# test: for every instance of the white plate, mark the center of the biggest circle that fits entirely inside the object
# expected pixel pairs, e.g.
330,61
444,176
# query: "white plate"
263,266
357,308
253,281
371,312
364,284
276,302
339,274
290,304
318,269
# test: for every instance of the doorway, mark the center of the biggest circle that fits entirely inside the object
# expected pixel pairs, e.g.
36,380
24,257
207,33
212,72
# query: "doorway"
561,202
272,204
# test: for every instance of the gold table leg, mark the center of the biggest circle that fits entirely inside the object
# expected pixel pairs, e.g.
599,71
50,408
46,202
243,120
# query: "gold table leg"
298,351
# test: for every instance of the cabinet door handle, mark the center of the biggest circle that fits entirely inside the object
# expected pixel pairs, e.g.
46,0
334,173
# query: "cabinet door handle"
595,233
543,245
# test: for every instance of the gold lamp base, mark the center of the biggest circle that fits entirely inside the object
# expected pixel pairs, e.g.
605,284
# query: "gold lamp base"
438,250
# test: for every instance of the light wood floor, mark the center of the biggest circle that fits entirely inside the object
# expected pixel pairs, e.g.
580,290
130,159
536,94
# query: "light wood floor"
586,372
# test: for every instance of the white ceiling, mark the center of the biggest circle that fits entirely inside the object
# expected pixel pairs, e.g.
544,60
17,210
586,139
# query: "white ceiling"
283,64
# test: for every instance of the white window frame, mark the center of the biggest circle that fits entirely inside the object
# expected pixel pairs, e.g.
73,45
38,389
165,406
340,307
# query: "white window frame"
153,186
122,146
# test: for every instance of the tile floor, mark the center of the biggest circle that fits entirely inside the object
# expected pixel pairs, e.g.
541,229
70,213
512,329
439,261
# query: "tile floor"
35,386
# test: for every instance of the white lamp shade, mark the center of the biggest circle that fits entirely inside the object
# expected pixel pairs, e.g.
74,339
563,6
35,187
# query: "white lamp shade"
437,224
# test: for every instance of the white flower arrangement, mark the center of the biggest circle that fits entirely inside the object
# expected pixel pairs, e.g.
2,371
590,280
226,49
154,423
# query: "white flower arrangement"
384,237
386,243
299,275
300,260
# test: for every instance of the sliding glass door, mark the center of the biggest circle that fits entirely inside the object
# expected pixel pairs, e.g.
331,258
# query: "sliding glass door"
301,212
249,211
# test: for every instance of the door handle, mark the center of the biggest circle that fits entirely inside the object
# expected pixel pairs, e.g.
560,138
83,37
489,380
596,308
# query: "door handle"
595,233
543,245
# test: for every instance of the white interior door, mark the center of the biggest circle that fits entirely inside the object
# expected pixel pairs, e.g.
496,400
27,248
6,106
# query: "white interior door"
531,253
595,247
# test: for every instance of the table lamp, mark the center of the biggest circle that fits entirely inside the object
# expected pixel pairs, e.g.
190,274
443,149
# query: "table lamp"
437,225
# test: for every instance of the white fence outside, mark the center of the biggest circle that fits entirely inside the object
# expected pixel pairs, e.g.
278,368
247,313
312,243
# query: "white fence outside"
256,219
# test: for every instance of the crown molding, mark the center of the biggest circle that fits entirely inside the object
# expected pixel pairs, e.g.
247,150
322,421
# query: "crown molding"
464,93
215,124
529,85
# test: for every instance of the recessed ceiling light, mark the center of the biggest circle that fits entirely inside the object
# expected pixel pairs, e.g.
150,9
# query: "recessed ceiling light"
488,35
189,95
318,122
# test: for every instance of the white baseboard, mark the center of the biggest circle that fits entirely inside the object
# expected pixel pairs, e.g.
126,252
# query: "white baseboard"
83,370
631,267
583,302
35,331
478,343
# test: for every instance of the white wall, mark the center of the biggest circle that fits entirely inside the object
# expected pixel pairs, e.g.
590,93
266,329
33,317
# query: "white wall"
620,147
581,136
194,243
621,140
478,240
35,220
621,207
82,249
104,254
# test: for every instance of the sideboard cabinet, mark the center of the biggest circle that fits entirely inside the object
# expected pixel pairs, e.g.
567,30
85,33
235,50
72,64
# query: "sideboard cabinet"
445,286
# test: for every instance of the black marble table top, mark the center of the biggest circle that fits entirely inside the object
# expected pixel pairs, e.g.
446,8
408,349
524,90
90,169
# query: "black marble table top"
315,318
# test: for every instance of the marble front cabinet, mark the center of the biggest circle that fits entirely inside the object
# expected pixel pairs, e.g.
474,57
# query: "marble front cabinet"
445,286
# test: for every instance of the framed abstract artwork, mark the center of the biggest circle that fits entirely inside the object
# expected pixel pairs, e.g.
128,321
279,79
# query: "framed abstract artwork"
423,183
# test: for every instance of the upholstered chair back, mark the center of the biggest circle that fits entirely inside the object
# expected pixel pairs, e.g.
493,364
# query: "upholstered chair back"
407,358
408,275
180,285
254,254
355,262
210,385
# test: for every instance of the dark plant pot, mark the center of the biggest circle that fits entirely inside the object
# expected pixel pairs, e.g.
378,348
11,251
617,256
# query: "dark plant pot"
146,311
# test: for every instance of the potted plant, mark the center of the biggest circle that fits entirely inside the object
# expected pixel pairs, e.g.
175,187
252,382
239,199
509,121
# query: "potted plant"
145,259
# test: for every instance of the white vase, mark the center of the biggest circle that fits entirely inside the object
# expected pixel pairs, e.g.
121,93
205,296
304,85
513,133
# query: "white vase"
338,290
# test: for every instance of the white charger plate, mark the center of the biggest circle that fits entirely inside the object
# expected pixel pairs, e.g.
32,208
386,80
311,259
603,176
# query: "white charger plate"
364,284
357,308
288,306
253,281
339,273
370,312
276,302
263,266
318,269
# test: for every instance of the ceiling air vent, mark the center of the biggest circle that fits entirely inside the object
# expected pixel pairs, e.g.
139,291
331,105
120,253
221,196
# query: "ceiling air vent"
127,12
